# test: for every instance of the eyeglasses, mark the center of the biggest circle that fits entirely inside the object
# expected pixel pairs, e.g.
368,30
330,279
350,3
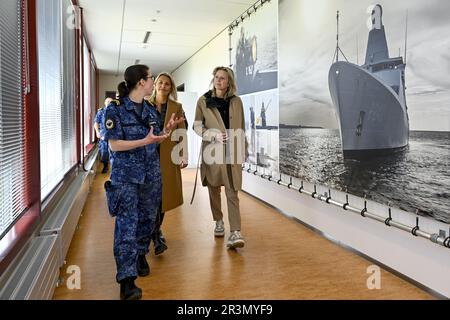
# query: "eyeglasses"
151,77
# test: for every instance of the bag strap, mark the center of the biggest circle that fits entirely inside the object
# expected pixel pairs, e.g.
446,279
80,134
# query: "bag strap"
196,172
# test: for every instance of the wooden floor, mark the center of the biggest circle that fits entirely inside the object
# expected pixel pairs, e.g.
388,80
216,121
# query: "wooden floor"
282,259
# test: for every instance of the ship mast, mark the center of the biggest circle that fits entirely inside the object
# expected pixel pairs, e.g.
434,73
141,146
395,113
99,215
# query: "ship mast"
337,36
406,33
338,49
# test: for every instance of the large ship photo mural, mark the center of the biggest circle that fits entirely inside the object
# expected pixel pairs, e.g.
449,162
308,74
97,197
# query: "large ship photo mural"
364,95
364,92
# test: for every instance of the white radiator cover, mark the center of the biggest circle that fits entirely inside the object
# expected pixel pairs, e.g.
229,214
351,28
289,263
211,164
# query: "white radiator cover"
36,273
416,258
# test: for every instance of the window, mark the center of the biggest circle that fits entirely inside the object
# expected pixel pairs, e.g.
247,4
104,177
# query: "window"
68,120
12,126
87,94
56,50
49,52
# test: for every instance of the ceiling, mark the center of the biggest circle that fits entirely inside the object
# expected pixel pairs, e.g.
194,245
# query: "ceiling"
178,29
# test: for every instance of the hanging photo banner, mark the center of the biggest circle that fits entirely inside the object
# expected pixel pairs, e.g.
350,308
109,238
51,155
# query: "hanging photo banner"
254,49
365,99
254,59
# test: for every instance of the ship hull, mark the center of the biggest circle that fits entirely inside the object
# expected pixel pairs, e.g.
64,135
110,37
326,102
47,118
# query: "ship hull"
370,115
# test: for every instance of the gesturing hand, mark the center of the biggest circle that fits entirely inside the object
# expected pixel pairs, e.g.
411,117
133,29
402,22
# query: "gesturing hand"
222,137
151,138
173,122
184,163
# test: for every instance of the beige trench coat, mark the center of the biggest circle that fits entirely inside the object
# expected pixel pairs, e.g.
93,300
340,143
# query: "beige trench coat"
172,188
207,124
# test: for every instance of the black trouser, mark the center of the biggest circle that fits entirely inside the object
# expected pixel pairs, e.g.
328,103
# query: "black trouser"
159,220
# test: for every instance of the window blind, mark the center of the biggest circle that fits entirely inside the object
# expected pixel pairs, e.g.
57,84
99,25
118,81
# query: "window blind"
12,129
50,85
68,120
87,94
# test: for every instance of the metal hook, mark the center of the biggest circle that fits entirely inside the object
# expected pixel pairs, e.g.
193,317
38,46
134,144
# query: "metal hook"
388,220
414,230
346,204
447,240
329,196
301,187
290,183
363,211
315,191
278,182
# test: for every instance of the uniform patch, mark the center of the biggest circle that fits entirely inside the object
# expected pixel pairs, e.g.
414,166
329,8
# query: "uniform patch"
109,124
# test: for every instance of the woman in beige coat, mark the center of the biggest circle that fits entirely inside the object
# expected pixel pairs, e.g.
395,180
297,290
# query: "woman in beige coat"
164,98
219,120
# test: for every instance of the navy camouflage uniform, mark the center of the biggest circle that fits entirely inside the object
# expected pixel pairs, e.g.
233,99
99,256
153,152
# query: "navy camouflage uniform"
134,191
102,144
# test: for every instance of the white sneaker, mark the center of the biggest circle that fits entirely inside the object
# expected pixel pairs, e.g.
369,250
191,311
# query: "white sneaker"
235,240
219,230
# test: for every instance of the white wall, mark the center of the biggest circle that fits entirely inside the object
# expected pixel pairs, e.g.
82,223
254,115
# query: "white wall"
196,74
107,82
415,257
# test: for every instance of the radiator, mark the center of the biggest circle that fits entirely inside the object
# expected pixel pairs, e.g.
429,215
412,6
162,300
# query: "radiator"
36,273
64,218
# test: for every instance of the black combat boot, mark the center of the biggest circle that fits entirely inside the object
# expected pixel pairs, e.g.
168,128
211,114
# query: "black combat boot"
159,242
105,167
143,268
128,290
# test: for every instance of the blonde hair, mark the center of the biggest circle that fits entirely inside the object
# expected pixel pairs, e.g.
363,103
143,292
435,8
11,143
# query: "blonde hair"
231,91
173,88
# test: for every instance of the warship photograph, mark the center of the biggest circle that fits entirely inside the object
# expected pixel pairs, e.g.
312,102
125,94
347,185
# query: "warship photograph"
369,100
345,120
254,51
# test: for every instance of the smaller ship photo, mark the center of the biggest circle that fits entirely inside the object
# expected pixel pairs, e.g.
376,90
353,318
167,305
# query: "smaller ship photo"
249,78
369,100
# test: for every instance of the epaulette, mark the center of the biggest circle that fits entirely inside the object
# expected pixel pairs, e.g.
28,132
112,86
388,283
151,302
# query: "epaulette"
116,102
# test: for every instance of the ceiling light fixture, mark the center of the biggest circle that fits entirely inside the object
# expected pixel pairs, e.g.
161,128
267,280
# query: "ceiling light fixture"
144,44
147,37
